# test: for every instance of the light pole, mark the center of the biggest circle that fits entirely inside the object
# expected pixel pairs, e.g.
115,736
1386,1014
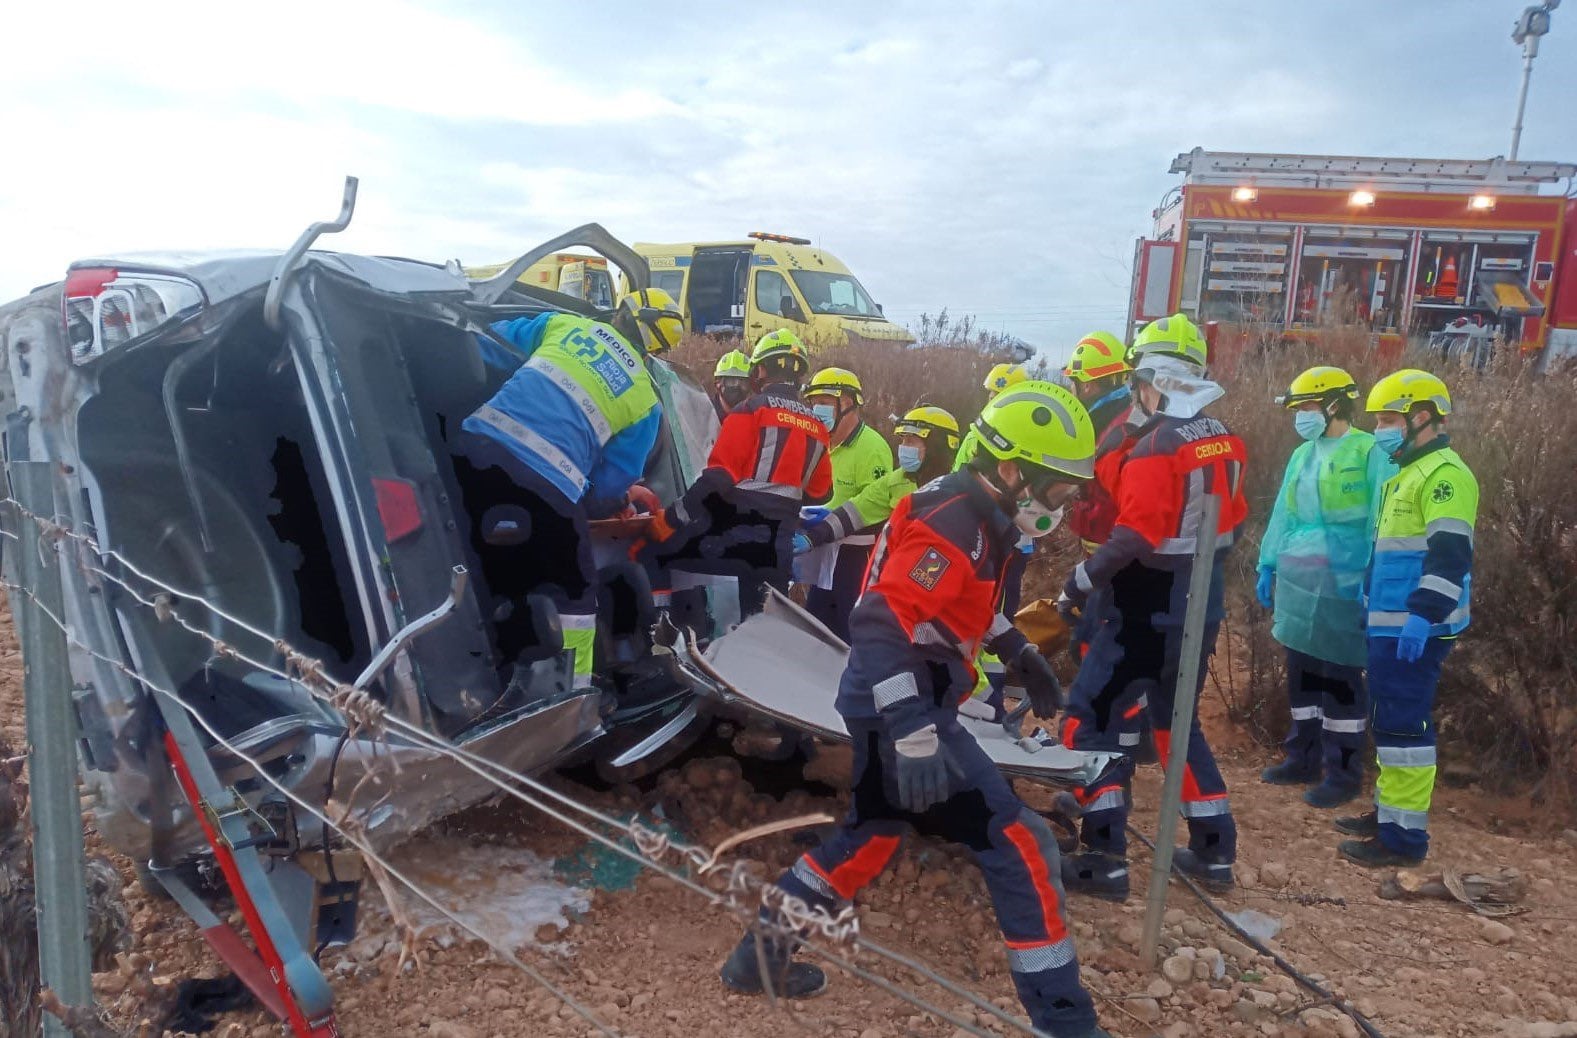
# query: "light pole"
1535,22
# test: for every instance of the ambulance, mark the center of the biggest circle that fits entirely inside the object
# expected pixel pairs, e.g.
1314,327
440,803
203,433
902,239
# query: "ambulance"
766,282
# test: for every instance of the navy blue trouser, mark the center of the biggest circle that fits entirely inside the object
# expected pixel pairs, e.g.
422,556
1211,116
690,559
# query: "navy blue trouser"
1330,713
1014,847
1404,740
1127,659
833,605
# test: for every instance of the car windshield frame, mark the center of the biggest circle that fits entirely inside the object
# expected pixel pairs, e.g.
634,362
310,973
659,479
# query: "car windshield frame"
816,285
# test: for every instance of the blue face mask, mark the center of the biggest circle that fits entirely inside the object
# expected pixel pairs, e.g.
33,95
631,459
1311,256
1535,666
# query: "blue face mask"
909,458
1389,439
826,414
1309,424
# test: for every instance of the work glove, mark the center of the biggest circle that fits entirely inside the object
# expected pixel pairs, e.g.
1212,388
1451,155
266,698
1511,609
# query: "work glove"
1410,643
1265,587
1067,610
801,544
658,531
1073,595
922,769
1040,682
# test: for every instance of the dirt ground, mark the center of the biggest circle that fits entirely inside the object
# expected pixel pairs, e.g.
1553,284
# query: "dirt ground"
645,958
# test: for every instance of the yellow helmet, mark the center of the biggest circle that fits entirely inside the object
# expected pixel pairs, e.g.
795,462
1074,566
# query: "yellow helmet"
1174,336
924,420
1097,355
836,382
1320,384
733,364
1002,376
1043,424
1401,391
656,316
781,344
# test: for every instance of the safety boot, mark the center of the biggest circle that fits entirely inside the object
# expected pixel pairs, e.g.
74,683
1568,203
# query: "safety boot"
1214,876
1097,874
1290,773
1329,794
1372,854
789,979
1366,825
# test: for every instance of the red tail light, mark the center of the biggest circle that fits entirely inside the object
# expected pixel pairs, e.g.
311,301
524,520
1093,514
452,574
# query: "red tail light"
101,307
398,508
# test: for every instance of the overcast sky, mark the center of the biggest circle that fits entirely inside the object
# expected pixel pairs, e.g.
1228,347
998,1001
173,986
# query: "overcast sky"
995,159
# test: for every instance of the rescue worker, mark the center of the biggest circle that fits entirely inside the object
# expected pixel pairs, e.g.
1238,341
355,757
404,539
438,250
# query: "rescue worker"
927,441
1311,566
1159,484
929,603
1098,370
564,438
860,457
1419,587
993,673
730,382
739,516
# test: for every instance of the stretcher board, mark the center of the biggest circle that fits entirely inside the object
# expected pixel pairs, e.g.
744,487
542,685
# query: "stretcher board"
784,664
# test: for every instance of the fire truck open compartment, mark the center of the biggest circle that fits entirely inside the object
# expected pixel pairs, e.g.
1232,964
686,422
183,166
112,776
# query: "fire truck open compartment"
1398,247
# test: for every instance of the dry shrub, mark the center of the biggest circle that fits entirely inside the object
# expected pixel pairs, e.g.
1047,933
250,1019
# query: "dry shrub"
895,377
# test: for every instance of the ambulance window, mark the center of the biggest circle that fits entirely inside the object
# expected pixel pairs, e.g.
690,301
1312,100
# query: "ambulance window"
670,281
771,287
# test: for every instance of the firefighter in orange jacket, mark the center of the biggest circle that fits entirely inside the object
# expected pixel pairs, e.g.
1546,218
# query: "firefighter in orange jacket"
1178,456
771,456
930,603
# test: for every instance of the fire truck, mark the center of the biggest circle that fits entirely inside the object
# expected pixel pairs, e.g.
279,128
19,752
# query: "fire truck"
1280,247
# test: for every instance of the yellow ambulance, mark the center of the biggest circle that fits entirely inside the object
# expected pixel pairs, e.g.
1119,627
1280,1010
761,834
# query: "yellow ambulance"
573,274
769,281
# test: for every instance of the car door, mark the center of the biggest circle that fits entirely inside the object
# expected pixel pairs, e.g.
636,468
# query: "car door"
774,304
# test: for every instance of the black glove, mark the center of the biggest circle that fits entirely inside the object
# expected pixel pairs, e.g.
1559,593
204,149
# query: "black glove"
922,769
1040,682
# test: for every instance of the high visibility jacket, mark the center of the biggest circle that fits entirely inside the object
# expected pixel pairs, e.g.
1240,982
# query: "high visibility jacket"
930,598
1318,541
770,457
1423,548
1160,486
865,510
862,459
1094,512
580,411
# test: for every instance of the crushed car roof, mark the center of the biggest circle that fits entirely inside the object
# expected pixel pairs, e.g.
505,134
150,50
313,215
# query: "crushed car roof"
225,274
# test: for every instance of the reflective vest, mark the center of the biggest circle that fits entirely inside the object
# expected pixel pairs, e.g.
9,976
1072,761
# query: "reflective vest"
1318,541
580,367
858,462
1433,494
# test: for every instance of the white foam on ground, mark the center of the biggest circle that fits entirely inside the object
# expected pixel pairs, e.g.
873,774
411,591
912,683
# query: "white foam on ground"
506,893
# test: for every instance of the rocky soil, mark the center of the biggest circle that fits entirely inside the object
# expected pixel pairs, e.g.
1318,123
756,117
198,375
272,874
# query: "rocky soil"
645,958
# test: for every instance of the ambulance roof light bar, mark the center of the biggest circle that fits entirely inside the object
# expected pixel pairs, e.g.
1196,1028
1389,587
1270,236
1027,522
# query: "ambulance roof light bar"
1332,171
784,238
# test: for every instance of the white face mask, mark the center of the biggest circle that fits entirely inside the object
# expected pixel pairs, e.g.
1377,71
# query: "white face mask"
1036,520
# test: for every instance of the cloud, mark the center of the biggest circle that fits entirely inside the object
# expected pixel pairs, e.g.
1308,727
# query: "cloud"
997,160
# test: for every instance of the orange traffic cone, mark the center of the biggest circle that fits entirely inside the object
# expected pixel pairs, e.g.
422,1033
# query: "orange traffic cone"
1446,287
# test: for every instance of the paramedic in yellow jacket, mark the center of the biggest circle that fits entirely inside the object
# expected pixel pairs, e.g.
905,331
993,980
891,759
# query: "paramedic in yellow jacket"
860,457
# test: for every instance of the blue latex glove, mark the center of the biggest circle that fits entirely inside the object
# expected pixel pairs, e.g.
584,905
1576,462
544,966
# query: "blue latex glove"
813,514
1267,583
801,544
1410,644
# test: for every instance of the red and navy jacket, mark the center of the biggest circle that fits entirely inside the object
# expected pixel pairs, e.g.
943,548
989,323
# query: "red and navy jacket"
771,457
1160,486
1094,512
930,599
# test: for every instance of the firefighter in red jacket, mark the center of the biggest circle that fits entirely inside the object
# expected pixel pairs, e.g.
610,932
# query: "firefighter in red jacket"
1176,458
930,603
1099,372
739,516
